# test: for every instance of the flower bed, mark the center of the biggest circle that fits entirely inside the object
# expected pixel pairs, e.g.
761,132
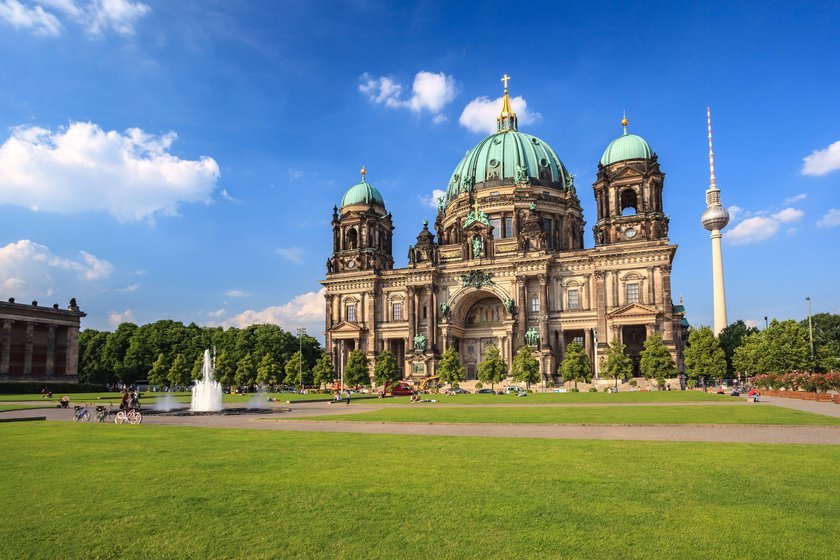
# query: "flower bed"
800,385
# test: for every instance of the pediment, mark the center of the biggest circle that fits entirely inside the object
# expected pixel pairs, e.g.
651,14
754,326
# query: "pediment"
633,310
627,171
345,327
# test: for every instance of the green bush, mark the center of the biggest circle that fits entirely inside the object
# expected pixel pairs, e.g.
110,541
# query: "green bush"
479,385
593,389
29,387
575,390
633,382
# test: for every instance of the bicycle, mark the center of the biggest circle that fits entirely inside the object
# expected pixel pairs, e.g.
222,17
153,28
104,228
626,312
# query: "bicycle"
132,416
102,413
81,413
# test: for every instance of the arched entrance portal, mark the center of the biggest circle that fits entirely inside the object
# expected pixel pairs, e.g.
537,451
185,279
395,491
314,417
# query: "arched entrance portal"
481,321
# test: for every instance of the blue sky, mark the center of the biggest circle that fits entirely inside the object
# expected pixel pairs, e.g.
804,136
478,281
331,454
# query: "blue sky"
181,159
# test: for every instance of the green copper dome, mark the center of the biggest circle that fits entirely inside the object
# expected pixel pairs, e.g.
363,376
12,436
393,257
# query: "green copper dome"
511,156
627,146
362,193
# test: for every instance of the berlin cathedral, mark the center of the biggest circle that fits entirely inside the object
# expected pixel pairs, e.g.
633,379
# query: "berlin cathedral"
506,264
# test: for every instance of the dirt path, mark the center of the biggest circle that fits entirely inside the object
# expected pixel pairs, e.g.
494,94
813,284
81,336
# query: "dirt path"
294,419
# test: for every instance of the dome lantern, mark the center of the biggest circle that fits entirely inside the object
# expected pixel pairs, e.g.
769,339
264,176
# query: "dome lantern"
626,147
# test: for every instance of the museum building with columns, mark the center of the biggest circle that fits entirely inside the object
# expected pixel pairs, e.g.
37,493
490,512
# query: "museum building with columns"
39,343
506,264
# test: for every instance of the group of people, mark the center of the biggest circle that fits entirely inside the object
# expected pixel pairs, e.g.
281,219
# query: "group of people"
129,399
338,397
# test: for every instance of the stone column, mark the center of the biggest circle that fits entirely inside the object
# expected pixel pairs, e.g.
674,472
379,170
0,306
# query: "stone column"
431,321
521,288
650,330
412,332
590,346
72,368
328,311
50,350
668,334
370,320
544,342
590,291
5,346
650,297
27,356
601,302
615,288
616,332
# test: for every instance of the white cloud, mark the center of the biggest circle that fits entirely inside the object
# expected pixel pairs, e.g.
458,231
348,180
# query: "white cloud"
752,323
294,254
295,173
432,200
480,114
128,289
752,230
117,317
29,269
236,293
734,212
830,219
217,313
33,18
822,161
303,310
430,92
226,196
83,168
796,198
788,215
97,17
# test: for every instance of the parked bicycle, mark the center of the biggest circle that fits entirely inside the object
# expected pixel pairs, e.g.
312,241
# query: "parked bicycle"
81,413
102,413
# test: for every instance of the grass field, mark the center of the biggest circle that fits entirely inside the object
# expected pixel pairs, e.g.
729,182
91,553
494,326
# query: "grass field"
742,413
150,397
107,491
626,397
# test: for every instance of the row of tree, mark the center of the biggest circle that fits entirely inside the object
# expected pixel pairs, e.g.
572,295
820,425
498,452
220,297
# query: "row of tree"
171,353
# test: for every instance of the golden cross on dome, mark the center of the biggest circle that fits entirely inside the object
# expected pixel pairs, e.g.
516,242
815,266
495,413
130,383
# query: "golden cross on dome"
475,207
505,79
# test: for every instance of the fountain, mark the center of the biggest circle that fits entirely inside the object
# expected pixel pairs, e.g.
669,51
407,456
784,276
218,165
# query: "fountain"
207,393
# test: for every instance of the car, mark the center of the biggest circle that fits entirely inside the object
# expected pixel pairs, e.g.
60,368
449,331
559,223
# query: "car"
509,390
486,392
401,390
288,389
459,391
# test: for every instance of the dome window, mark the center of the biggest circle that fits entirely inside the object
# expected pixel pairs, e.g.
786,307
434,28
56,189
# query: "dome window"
535,141
494,163
543,162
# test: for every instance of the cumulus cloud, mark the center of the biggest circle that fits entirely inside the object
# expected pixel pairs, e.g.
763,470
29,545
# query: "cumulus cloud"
30,269
96,17
432,200
759,228
117,317
830,219
303,310
29,17
236,293
217,313
822,161
227,196
294,254
128,289
430,92
480,114
130,175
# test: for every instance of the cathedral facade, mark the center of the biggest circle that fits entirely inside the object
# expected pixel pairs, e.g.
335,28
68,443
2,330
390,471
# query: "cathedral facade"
506,265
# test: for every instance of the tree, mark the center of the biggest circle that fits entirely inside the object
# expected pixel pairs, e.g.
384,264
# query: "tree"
92,366
826,328
356,371
616,363
492,368
575,366
747,357
323,372
656,362
113,355
179,372
159,373
786,347
268,372
731,338
225,370
525,367
385,371
197,371
704,357
245,371
450,369
297,372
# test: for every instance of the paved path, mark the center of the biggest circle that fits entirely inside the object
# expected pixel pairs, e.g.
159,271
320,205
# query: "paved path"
292,417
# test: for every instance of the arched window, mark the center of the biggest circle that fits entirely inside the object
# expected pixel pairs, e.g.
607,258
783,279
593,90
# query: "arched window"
352,239
629,202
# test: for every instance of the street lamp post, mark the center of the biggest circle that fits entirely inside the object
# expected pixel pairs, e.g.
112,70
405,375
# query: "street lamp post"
810,333
301,333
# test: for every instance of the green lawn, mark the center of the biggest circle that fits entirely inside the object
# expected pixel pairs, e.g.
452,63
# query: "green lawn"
720,414
149,396
108,491
626,397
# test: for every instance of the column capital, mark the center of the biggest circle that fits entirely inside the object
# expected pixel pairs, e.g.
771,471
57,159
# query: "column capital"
520,280
543,278
600,274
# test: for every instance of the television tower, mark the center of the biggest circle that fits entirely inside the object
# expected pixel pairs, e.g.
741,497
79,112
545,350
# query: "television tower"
715,219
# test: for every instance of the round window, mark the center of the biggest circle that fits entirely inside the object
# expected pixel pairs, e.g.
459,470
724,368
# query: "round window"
497,140
543,162
493,163
535,141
